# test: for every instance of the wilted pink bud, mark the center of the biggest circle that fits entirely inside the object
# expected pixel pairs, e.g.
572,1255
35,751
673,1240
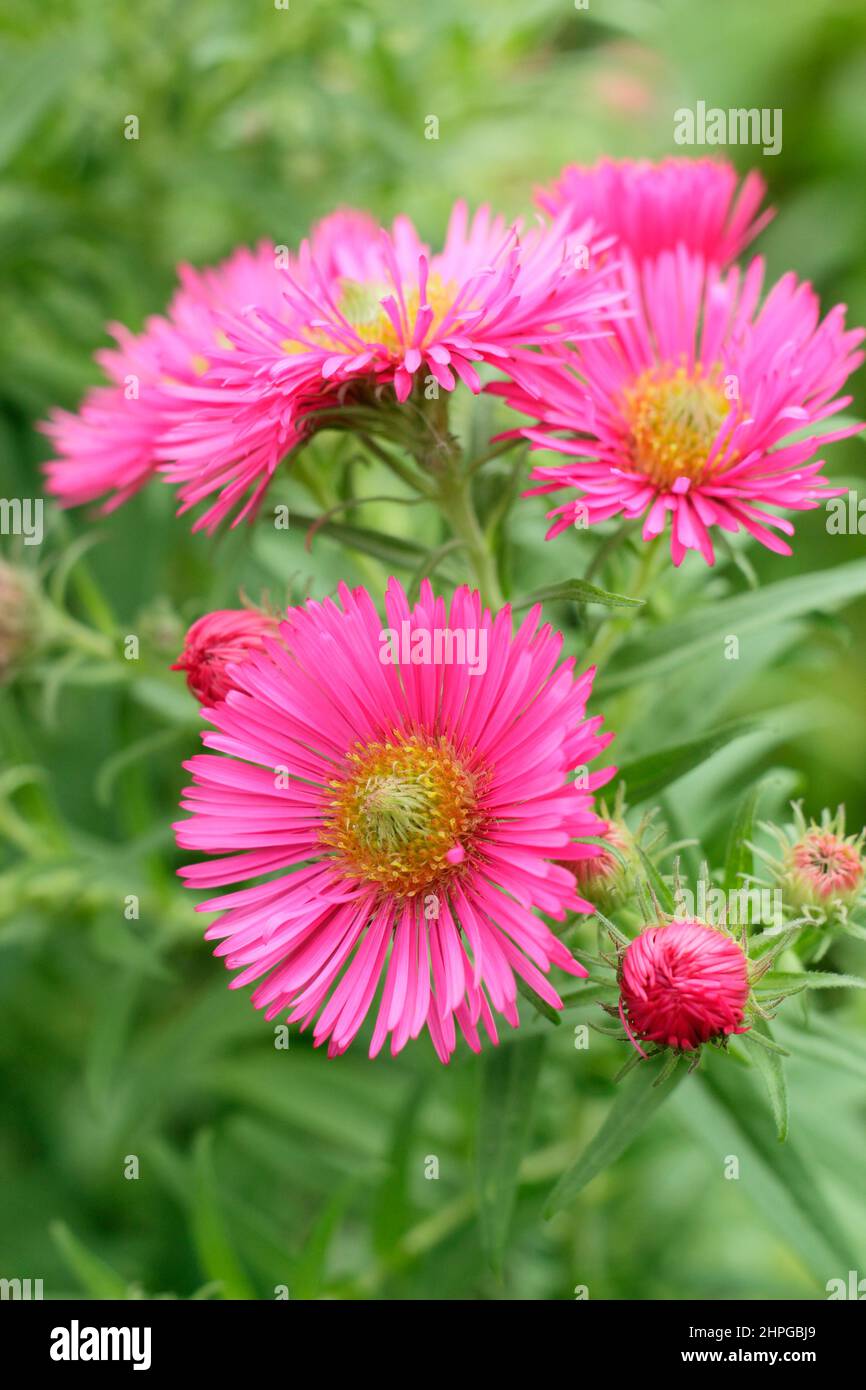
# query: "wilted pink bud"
18,617
216,641
683,984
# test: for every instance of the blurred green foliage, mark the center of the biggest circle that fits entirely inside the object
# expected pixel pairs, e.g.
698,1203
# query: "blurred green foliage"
259,1167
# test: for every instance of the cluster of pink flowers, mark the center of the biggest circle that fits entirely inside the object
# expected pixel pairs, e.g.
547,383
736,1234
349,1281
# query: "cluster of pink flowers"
399,831
216,394
618,324
703,404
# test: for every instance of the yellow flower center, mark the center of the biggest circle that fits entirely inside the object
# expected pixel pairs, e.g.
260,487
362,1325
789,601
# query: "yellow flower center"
404,814
200,363
674,416
361,305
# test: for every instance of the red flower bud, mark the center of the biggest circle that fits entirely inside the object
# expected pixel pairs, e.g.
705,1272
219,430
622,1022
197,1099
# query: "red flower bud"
683,984
216,641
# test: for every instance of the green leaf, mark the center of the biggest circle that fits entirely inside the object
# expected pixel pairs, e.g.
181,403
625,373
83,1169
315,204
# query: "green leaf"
173,703
393,550
636,1102
540,1005
32,81
663,650
216,1255
127,756
393,1208
661,889
771,1067
781,981
508,1078
830,1045
308,1274
576,591
738,857
647,776
97,1277
726,1116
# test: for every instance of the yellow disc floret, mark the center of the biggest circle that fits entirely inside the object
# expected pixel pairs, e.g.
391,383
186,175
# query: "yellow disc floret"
674,415
361,306
403,814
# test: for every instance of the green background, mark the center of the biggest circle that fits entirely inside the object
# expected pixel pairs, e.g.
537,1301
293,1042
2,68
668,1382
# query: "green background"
261,1168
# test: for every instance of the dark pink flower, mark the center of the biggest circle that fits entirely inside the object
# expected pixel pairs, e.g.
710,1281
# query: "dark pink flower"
396,820
374,311
702,409
108,448
696,203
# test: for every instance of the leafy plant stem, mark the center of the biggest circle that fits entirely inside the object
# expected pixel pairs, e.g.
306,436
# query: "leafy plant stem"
455,500
612,631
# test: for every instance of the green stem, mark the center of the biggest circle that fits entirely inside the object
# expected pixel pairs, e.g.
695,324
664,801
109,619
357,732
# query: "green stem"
60,627
409,476
324,497
607,548
613,630
455,500
92,600
504,446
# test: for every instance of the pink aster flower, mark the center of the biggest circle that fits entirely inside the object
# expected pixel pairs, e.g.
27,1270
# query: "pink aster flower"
688,409
650,208
411,809
217,641
366,311
108,449
683,984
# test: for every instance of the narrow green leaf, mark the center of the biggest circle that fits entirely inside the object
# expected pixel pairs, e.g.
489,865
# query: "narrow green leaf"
32,82
771,1067
508,1078
637,1100
308,1274
93,1273
829,1044
540,1005
780,981
647,776
393,1208
664,650
142,748
576,591
216,1256
738,856
173,703
661,889
393,550
724,1114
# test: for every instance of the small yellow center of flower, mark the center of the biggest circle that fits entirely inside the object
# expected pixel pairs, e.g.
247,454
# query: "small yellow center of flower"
199,363
361,305
404,814
674,416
